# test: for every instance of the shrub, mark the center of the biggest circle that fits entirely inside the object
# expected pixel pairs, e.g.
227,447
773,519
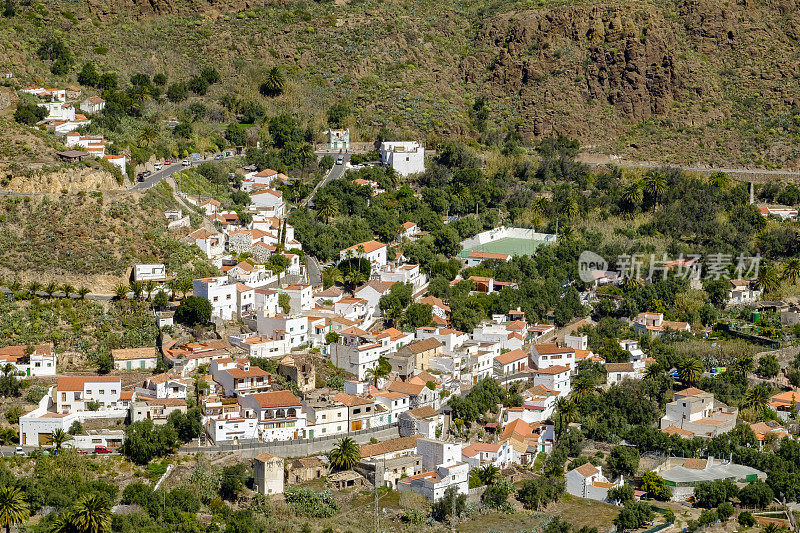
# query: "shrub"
746,519
29,114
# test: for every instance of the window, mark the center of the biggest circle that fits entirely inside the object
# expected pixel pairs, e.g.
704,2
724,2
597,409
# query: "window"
216,298
113,391
101,391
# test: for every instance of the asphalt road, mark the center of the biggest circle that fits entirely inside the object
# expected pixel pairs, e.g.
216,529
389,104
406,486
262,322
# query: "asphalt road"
166,172
335,173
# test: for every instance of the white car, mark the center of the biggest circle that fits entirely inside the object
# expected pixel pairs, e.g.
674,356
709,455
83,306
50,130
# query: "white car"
19,451
158,166
185,163
340,160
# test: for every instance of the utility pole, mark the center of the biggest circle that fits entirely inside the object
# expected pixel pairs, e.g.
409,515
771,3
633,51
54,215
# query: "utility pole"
376,498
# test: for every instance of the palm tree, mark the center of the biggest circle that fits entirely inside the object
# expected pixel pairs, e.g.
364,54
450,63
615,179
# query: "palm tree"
654,185
570,208
92,514
567,413
13,507
488,474
353,279
690,370
345,454
632,195
756,398
767,279
50,289
121,292
653,371
274,83
149,287
149,134
59,437
539,205
332,275
582,387
8,370
67,289
394,315
34,287
791,270
630,283
62,524
184,285
82,292
172,285
137,287
381,370
771,528
327,207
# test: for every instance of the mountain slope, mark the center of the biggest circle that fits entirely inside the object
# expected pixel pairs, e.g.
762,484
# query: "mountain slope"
691,81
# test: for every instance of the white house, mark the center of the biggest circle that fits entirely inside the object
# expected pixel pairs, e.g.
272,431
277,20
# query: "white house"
372,292
294,328
59,111
616,372
404,157
742,291
221,292
280,415
73,393
512,366
444,469
355,354
268,201
555,378
257,346
546,355
403,274
408,230
212,244
373,251
300,297
239,378
653,324
696,411
267,301
93,105
588,481
135,358
164,386
480,454
150,272
268,474
338,140
425,421
39,360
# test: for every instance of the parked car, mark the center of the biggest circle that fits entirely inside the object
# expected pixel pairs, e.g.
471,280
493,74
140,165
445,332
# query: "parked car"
140,176
101,449
19,451
340,160
147,173
185,163
168,162
218,156
158,166
82,451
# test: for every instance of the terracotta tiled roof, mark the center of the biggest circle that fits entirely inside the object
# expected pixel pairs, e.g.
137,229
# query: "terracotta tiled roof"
422,346
389,446
691,391
412,389
510,357
369,246
423,412
547,349
76,383
619,367
552,370
123,354
586,470
264,457
283,398
349,400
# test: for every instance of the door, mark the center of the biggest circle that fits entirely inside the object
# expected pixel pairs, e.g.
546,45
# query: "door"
356,426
